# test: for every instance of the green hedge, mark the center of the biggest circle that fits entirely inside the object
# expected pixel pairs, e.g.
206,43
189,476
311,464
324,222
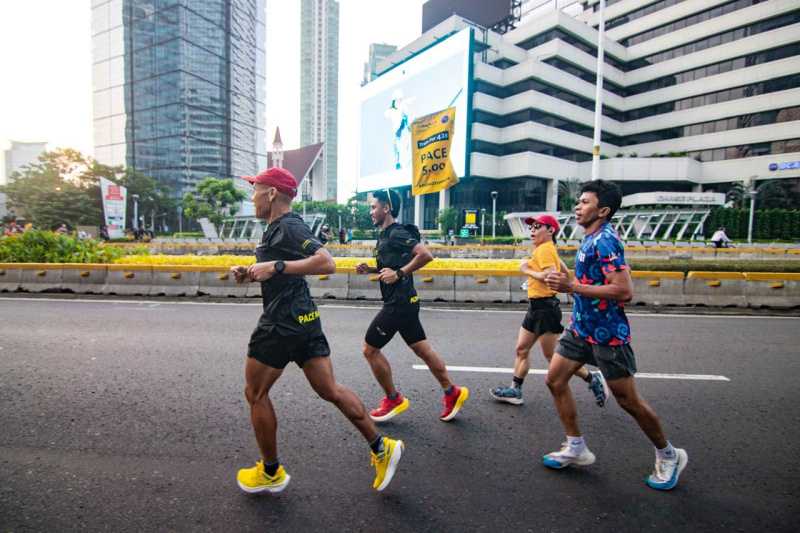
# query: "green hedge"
783,224
37,246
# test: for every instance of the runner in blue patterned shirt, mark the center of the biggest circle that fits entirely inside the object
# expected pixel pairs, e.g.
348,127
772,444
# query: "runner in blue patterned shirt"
600,335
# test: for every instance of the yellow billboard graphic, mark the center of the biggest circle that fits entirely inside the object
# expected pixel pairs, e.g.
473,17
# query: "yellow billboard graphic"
430,141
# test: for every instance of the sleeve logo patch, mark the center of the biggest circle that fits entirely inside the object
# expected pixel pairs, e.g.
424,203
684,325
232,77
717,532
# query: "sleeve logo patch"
308,317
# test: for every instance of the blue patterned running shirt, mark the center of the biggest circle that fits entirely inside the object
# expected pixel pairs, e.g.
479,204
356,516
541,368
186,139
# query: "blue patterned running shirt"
597,320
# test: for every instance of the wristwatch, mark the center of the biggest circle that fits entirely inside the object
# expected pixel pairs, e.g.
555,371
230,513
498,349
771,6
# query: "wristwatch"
400,273
280,266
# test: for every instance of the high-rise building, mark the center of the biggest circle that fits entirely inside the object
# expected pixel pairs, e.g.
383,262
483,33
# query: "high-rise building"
319,83
179,87
696,96
19,155
377,53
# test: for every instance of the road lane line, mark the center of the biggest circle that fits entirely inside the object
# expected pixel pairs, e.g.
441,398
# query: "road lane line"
645,375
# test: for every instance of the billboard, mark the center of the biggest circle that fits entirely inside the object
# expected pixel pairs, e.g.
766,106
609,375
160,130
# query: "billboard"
429,82
113,207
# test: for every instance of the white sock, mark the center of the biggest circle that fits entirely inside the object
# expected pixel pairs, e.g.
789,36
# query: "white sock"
668,452
576,444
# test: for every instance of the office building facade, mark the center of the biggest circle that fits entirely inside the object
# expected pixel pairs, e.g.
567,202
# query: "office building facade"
696,95
179,88
319,83
377,53
19,155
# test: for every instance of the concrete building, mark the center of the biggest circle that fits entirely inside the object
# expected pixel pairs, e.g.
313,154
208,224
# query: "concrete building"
377,53
319,83
179,88
697,94
19,155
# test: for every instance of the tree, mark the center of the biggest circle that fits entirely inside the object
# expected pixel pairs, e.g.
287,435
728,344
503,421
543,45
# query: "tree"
56,189
155,198
448,220
568,192
216,199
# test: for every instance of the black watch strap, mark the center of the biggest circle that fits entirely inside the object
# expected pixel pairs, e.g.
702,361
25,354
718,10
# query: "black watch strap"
400,273
280,266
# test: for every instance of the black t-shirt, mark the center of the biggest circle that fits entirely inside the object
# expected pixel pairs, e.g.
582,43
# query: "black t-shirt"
393,250
288,307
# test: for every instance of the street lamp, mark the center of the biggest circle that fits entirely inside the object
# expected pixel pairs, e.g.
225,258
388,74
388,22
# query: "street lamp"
135,211
494,213
752,192
483,222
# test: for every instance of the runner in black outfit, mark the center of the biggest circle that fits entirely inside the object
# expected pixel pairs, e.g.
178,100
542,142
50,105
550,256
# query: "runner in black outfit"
289,330
399,253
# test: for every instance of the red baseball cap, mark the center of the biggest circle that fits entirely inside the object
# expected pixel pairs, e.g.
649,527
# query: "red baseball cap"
277,177
547,220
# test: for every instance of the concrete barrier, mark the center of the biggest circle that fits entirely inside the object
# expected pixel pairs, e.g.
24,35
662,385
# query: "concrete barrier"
720,289
772,289
84,279
175,281
483,286
218,281
657,288
37,277
364,286
435,285
128,280
330,285
10,276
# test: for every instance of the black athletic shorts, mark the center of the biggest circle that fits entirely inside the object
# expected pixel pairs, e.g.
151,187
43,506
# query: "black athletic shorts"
613,361
276,350
391,320
543,316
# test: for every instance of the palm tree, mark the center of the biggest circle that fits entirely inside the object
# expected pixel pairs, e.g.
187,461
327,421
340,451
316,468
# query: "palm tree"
568,191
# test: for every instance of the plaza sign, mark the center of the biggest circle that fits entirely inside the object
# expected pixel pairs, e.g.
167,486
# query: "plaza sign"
674,198
789,165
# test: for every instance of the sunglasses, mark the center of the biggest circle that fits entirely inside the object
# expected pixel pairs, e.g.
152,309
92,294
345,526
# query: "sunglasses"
389,199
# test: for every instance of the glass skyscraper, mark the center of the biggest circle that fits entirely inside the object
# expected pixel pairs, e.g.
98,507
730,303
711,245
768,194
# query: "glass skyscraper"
319,83
179,87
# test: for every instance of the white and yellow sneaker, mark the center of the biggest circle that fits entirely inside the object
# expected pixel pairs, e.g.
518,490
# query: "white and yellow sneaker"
254,480
386,462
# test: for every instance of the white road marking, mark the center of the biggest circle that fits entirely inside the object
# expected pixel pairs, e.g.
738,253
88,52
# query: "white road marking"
645,375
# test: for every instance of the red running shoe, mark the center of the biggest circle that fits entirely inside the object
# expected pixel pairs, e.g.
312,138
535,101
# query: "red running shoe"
452,403
389,409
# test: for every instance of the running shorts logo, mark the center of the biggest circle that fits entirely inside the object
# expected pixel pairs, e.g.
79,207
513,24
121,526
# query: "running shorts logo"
414,299
308,317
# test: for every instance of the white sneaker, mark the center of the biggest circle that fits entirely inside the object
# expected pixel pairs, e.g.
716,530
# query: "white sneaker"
666,472
566,456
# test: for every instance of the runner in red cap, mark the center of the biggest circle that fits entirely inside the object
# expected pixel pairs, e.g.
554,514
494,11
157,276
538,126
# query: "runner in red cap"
290,330
543,320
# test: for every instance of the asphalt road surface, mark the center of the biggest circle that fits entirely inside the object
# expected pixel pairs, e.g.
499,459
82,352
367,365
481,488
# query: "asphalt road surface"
129,416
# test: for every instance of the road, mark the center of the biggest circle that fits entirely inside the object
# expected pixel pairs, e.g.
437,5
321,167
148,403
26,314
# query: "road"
129,416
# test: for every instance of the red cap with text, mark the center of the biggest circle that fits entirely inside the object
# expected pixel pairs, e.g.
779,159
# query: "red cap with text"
547,220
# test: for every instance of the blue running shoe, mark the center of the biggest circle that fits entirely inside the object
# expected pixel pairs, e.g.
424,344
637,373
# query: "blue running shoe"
598,387
510,395
666,473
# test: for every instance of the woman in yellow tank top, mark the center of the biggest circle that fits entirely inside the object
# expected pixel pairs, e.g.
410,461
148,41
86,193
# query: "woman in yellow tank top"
543,320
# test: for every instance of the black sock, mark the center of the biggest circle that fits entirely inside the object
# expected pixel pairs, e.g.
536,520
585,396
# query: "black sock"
393,396
449,390
271,468
377,445
517,382
588,378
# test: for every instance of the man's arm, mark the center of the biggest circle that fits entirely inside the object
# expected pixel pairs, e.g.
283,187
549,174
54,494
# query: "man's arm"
319,263
539,276
421,256
619,286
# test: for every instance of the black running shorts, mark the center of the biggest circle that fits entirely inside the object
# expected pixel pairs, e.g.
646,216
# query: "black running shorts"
613,361
391,320
543,316
277,351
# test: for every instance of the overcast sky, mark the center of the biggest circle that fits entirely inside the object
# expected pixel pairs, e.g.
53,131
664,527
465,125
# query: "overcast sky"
45,61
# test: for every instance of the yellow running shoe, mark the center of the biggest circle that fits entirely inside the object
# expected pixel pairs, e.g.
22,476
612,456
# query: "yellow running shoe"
254,480
386,462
